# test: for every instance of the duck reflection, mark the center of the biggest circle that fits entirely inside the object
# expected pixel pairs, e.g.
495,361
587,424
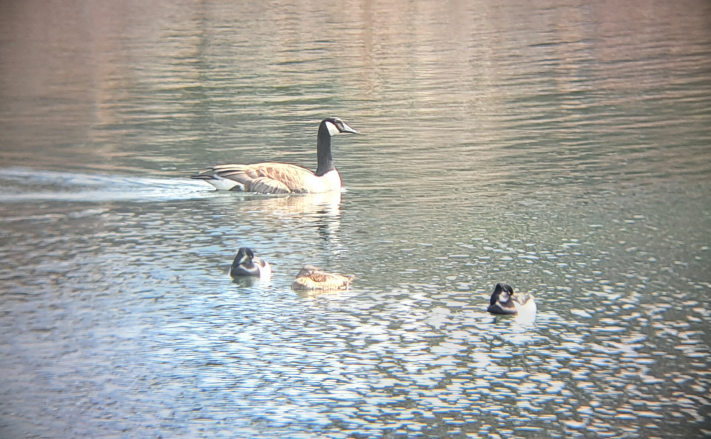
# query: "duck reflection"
250,281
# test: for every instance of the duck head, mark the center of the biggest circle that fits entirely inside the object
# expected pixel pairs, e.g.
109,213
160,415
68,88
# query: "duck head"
502,300
307,271
243,255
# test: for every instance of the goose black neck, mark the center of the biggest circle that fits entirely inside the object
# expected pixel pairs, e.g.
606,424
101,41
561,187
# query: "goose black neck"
323,151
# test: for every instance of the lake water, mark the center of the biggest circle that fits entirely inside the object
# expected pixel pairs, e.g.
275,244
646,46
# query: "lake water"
561,147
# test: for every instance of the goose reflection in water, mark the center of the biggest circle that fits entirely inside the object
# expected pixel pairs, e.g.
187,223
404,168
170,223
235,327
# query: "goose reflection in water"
322,212
326,204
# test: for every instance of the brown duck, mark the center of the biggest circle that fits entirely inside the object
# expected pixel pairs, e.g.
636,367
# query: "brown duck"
311,278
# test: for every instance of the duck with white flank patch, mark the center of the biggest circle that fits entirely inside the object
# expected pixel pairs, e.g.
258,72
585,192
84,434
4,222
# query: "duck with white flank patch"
283,178
311,278
505,301
246,264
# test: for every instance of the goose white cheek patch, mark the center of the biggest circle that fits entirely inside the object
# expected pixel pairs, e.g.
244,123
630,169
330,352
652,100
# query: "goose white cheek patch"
332,129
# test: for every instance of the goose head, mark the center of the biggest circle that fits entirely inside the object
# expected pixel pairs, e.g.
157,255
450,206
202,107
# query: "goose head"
335,125
329,127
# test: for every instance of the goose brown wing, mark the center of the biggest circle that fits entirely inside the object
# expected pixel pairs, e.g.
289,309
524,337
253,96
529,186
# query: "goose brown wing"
274,178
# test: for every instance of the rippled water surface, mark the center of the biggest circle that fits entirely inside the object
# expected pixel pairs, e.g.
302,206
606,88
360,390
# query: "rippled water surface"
564,148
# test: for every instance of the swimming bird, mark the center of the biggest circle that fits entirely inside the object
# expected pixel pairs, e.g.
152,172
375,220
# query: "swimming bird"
311,278
283,178
505,301
246,264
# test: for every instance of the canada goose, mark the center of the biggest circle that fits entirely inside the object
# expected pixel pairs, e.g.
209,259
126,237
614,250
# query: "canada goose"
283,178
311,278
246,264
505,301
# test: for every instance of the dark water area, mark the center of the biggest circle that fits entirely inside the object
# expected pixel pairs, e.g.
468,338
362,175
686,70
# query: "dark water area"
563,148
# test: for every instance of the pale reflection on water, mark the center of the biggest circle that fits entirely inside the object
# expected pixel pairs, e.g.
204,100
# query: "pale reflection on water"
137,302
564,150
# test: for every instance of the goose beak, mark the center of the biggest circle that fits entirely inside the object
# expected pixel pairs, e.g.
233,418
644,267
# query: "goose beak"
347,129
